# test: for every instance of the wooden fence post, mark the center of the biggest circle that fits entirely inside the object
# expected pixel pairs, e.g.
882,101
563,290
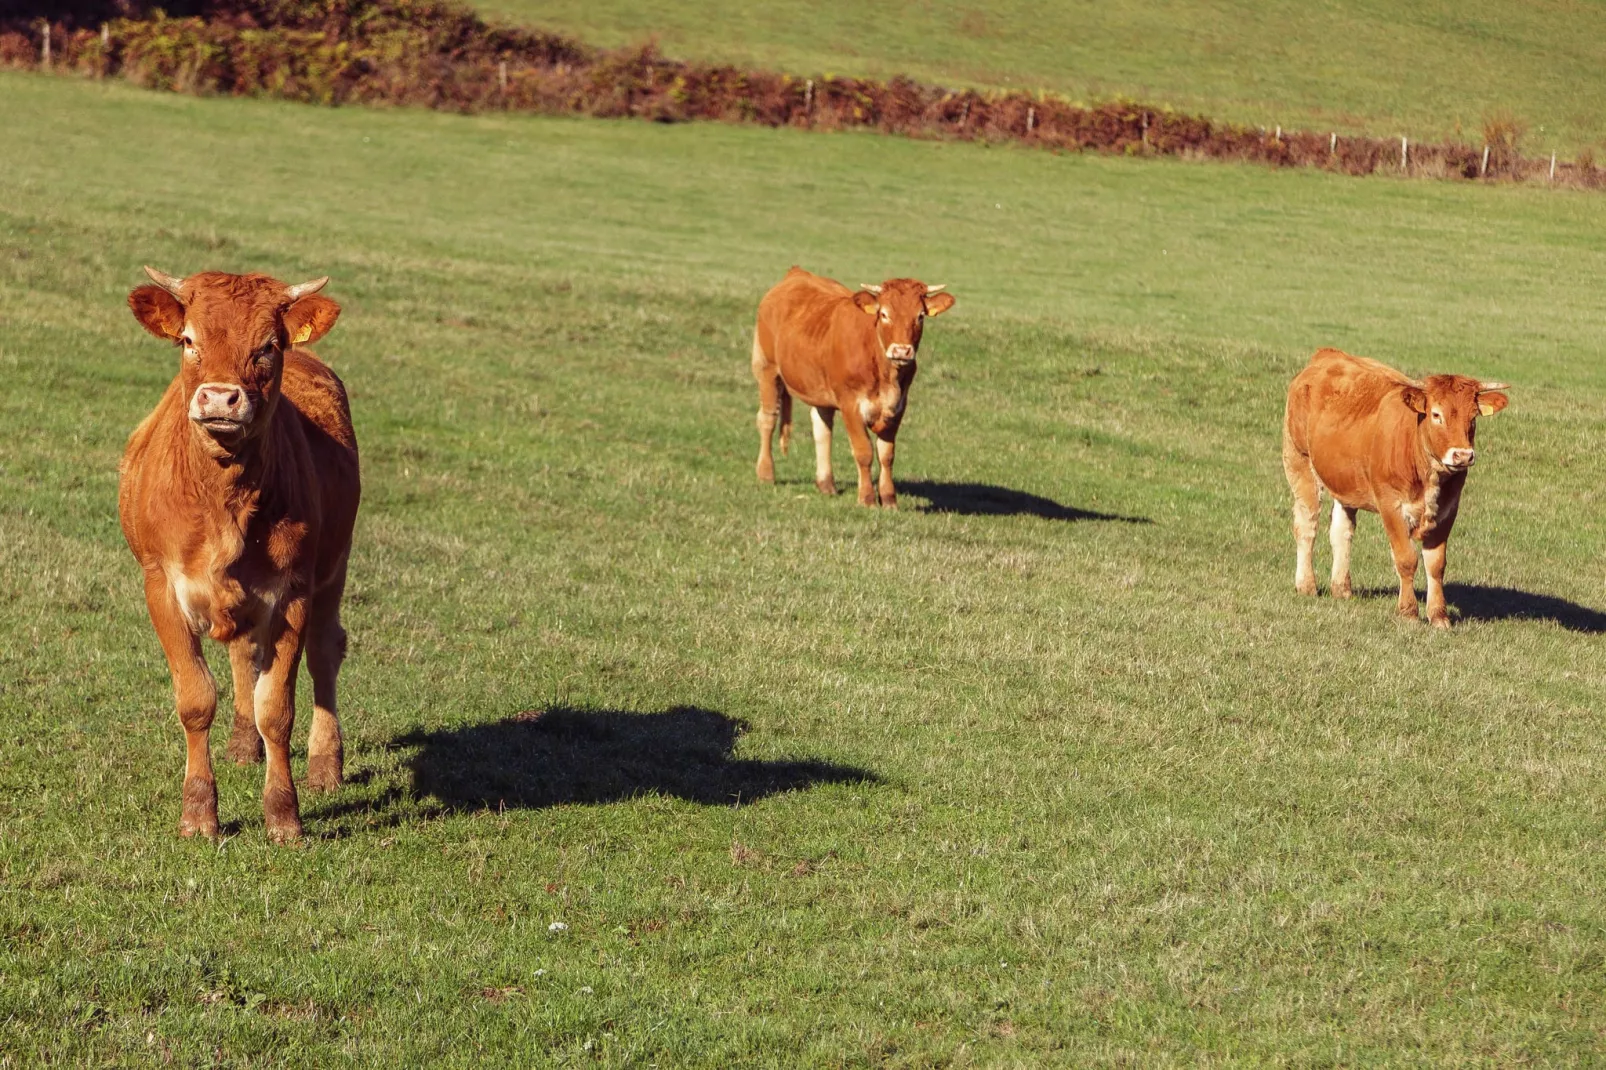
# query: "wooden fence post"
501,77
1483,168
1332,143
808,98
1031,120
1553,167
44,42
1405,160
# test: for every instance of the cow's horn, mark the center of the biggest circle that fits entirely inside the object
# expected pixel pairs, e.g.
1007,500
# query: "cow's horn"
306,289
170,283
941,286
1492,386
873,289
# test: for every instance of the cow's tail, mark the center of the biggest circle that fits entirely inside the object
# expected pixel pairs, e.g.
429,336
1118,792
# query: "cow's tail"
786,419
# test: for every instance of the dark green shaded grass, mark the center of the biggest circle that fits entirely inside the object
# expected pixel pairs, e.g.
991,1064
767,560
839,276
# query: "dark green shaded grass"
1423,69
1061,790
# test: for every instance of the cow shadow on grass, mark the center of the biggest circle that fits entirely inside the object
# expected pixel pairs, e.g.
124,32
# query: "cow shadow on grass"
1477,601
985,499
543,758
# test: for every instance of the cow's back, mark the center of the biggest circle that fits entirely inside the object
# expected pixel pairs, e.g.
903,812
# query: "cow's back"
319,397
803,322
1342,415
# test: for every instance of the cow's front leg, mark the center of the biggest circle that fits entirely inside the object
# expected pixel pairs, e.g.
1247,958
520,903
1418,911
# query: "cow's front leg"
275,706
195,696
823,477
884,448
859,439
245,742
1434,555
1404,551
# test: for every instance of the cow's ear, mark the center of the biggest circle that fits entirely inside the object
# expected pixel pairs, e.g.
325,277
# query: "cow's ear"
309,319
866,301
937,304
158,312
1491,402
1416,399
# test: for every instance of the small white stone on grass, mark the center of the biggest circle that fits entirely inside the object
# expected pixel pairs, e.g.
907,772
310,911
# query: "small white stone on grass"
557,927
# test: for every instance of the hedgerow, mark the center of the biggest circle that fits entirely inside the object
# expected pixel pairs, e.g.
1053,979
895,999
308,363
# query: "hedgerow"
437,54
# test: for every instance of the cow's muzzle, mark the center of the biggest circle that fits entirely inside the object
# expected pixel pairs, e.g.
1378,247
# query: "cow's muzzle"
1459,460
900,354
221,408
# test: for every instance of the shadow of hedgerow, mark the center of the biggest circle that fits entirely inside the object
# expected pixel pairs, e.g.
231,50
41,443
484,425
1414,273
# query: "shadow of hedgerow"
542,758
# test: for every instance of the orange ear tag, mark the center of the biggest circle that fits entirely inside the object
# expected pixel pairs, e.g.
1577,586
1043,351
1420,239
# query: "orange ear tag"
1486,408
303,334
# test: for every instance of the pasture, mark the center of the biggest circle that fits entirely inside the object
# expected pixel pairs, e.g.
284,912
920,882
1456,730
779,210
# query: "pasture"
1423,68
656,765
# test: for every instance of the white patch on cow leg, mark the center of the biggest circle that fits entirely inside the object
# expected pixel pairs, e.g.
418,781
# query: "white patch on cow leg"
1342,535
822,449
1305,543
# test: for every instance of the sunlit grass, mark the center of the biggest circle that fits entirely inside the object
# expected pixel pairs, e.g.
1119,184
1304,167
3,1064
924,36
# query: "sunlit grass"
817,784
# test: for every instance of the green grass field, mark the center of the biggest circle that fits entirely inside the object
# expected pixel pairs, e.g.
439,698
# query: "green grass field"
1424,68
1051,766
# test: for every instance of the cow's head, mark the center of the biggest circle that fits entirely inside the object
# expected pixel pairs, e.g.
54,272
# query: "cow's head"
232,331
1447,409
900,307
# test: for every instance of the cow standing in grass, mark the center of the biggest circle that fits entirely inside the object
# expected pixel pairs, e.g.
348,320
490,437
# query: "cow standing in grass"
238,497
1375,439
843,351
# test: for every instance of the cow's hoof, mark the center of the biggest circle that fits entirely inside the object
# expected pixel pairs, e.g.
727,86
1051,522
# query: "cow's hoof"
766,476
245,748
323,773
1440,622
1408,614
826,487
889,503
1340,590
199,817
285,832
1306,587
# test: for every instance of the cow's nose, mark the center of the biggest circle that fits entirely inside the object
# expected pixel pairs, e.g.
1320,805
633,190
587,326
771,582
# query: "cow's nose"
226,397
900,352
219,401
1460,458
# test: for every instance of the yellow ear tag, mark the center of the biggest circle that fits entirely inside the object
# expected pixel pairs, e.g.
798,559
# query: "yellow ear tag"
1486,408
302,335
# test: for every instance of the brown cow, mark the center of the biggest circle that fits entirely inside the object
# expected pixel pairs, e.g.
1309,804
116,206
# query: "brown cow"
840,350
238,497
1375,439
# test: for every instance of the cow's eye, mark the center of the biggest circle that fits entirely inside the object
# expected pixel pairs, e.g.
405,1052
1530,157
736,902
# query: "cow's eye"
187,342
1438,417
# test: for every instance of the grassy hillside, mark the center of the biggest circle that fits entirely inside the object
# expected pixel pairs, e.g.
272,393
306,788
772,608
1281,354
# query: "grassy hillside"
1051,766
1426,68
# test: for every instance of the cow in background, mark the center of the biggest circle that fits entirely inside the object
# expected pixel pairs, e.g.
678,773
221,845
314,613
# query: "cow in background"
840,350
1375,439
238,495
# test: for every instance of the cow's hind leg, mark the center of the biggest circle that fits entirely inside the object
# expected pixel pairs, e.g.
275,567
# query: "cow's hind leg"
1404,551
823,477
326,649
1307,502
1342,534
195,696
770,390
245,742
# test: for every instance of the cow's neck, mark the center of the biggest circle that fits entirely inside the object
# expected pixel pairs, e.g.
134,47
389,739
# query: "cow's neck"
233,482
